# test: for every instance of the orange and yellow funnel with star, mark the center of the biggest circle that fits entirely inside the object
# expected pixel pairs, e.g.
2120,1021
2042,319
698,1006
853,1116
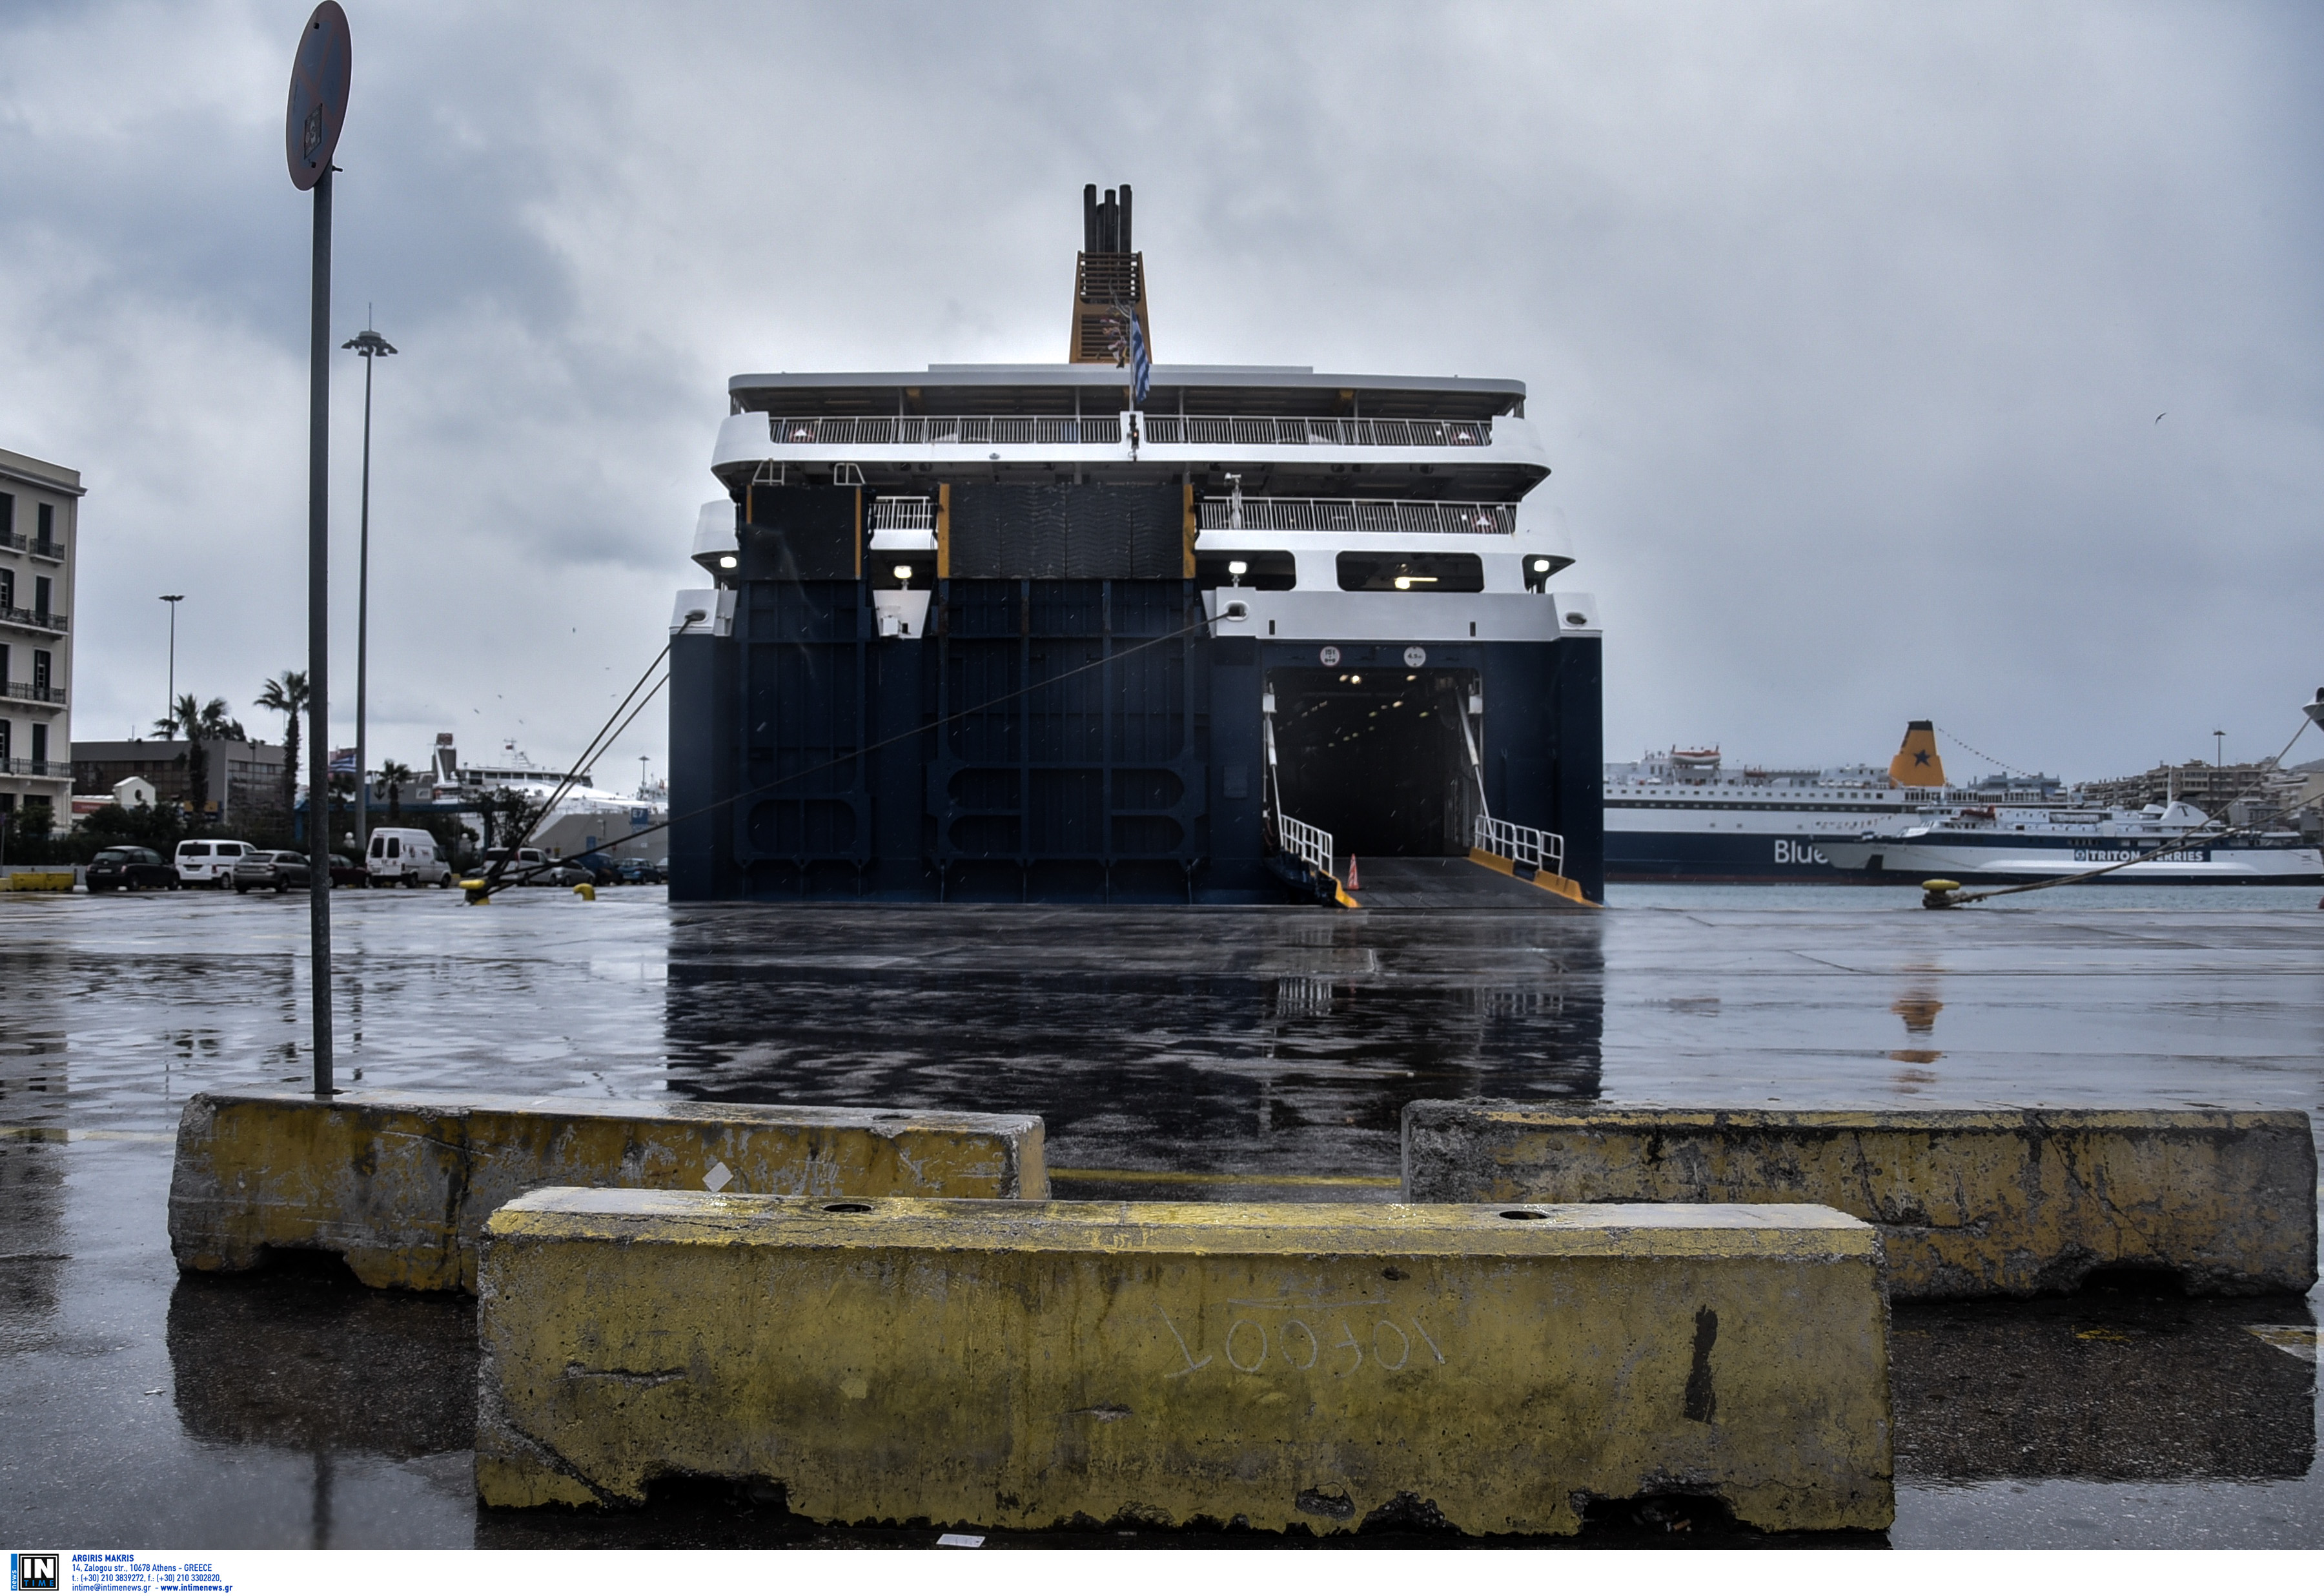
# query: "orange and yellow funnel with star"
1917,764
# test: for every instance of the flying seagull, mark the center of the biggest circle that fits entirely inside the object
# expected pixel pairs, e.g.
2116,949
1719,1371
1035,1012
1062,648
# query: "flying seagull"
2158,421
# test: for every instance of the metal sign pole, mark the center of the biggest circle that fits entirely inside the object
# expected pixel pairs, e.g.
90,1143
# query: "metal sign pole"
319,640
318,110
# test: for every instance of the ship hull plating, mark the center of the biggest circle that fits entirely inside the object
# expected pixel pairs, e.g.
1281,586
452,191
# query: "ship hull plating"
1671,855
1051,741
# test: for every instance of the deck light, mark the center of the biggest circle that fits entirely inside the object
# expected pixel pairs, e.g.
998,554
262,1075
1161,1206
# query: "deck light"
903,573
727,562
1541,565
1236,568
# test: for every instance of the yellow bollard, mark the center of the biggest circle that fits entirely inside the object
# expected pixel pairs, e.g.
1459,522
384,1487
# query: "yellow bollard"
585,892
474,889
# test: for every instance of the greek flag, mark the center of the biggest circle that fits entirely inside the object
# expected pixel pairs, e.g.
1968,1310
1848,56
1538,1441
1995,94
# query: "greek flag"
342,761
1141,366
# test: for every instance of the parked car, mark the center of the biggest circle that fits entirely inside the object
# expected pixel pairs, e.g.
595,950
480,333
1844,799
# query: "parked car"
206,861
603,869
530,868
129,867
633,873
348,872
273,870
402,856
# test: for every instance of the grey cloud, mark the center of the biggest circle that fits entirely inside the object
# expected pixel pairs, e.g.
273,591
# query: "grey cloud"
1847,326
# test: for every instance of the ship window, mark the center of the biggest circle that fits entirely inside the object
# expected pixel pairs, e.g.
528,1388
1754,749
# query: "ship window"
1411,572
1270,570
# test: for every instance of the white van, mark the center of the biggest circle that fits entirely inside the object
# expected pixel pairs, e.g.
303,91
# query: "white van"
401,855
207,862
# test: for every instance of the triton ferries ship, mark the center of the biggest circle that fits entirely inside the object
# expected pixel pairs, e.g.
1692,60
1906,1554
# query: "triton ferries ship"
1106,630
1685,816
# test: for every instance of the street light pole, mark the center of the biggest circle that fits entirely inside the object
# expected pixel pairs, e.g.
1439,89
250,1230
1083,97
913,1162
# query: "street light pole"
311,126
170,709
371,347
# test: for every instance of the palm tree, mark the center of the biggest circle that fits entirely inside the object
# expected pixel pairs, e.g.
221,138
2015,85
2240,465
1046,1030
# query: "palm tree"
199,722
396,776
287,695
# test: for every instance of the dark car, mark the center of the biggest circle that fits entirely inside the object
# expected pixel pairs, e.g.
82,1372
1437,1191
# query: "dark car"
270,870
129,867
349,872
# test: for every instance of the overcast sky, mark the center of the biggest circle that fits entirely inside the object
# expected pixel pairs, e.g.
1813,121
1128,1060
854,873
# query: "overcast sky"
1848,326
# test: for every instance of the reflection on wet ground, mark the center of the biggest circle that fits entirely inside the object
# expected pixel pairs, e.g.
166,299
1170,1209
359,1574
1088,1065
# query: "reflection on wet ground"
1199,1054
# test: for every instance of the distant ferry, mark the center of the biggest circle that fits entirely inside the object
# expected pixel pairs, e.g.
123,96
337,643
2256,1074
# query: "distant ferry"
1685,816
2001,842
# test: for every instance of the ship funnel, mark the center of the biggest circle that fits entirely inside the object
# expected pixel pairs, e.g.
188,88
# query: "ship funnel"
1109,283
1918,762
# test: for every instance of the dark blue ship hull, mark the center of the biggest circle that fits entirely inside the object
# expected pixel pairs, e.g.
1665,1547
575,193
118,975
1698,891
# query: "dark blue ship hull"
1060,741
1702,856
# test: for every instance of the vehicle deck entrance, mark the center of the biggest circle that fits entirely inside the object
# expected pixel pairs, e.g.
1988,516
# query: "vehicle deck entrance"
1380,758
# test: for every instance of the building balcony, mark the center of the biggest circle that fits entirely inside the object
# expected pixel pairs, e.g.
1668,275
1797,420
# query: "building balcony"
48,549
49,621
31,693
16,540
60,769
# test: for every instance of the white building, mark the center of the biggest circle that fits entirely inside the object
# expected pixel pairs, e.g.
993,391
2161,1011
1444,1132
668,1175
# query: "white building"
39,530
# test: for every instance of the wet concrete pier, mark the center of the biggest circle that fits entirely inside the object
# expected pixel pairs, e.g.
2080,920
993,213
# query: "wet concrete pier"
1197,1054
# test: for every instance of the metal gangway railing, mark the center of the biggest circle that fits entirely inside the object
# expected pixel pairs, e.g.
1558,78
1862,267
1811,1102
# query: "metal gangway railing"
1302,841
1525,844
1341,432
1414,517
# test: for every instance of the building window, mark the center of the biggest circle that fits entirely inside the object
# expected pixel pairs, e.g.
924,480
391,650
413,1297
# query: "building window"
8,512
46,521
5,677
43,586
40,669
6,741
8,589
40,743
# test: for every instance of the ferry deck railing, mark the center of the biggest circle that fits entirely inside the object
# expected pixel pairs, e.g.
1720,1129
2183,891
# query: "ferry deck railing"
1213,431
899,515
886,431
1525,844
1341,432
1422,517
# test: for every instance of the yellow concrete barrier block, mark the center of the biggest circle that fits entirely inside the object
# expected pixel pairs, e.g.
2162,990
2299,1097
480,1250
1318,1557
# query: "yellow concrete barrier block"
399,1184
40,881
1325,1365
1969,1202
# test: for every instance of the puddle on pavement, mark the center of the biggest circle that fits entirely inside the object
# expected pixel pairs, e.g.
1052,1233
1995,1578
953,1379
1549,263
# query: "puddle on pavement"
1260,1054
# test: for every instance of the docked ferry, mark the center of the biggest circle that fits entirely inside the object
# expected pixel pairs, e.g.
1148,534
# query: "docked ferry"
1685,815
1114,630
2001,842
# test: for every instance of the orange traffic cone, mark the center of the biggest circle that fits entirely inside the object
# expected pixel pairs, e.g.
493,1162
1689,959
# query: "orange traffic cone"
1353,882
